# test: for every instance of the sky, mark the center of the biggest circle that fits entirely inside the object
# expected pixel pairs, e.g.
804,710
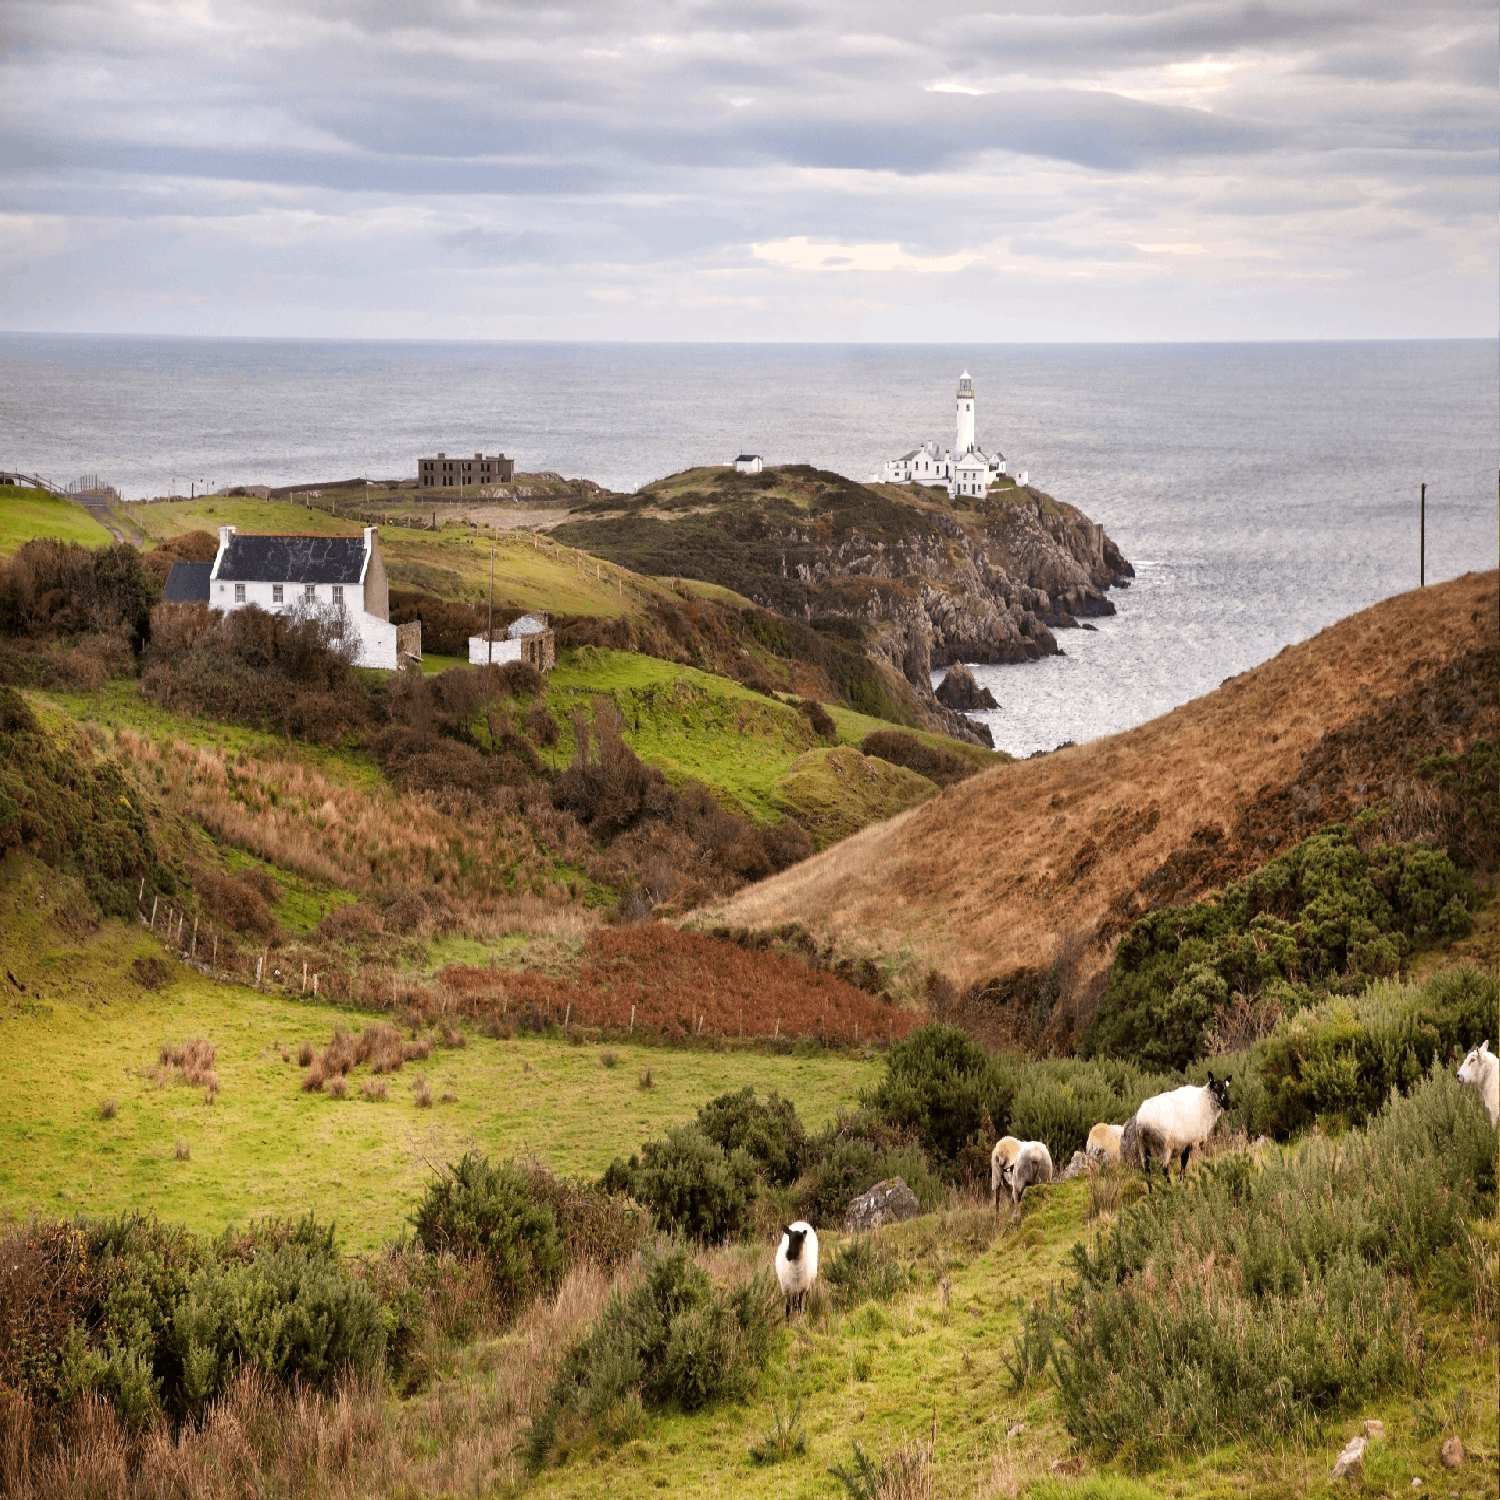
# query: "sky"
1089,170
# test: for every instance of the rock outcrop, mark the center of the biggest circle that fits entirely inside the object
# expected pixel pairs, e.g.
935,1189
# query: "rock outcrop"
919,582
888,1202
958,690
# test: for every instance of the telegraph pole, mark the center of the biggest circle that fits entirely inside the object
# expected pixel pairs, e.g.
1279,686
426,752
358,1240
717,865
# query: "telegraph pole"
489,634
1422,573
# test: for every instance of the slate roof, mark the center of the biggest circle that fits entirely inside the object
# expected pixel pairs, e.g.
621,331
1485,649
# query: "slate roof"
187,581
293,559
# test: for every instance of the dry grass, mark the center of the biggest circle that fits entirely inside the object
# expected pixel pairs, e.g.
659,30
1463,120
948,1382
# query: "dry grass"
645,1081
1085,830
374,1089
108,1108
183,1151
422,1090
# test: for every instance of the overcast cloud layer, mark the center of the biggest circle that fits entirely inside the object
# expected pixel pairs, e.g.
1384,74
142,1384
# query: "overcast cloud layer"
1081,169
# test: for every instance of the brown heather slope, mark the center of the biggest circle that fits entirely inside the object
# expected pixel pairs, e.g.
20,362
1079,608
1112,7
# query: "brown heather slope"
1038,867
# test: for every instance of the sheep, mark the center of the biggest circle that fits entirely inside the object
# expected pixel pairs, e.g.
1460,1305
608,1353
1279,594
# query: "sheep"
1104,1142
1482,1068
1000,1158
1030,1165
797,1263
1131,1154
1171,1124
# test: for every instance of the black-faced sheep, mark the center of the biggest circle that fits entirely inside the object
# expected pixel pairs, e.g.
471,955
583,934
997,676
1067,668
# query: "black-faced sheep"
1000,1158
1482,1068
1031,1165
1170,1125
797,1263
1104,1143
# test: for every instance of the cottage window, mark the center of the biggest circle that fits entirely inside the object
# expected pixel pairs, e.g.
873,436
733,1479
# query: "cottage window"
276,593
239,593
338,595
310,593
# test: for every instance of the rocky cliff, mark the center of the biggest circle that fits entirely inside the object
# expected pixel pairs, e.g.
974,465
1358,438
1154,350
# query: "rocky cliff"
925,583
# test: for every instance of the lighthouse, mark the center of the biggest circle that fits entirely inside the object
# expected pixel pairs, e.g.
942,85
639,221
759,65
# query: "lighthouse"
965,414
963,470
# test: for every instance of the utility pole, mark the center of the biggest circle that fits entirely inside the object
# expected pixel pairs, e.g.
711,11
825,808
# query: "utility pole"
1422,574
489,634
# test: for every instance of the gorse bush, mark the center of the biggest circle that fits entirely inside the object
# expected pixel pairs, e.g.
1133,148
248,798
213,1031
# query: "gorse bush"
1260,1301
674,1338
769,1130
51,588
1322,916
478,1210
690,1183
159,1321
1338,1061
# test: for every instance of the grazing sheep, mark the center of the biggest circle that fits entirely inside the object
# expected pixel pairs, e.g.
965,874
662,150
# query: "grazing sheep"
1032,1164
1170,1125
1482,1068
1000,1158
797,1263
1104,1143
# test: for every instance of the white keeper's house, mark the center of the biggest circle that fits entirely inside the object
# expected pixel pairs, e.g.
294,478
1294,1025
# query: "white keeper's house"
342,578
965,469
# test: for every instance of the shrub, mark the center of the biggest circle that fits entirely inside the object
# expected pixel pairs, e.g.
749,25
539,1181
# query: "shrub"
51,588
1323,915
240,903
690,1183
674,1338
1258,1303
488,1212
108,1108
937,1086
1340,1060
769,1131
864,1270
821,720
945,767
158,1320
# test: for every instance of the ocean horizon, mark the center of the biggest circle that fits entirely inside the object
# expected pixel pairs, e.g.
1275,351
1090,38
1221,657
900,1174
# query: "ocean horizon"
1261,490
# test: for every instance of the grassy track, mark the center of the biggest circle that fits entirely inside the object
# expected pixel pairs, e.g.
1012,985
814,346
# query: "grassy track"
25,514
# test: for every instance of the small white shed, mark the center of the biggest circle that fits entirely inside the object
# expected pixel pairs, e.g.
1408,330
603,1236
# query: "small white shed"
748,463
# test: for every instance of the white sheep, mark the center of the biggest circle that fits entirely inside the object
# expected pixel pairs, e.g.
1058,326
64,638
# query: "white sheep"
1000,1158
1170,1125
1482,1068
1104,1142
1031,1165
797,1263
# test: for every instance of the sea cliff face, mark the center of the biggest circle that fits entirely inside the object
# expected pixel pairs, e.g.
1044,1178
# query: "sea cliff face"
924,582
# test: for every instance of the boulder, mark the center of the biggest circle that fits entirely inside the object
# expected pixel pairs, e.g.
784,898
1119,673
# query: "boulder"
888,1202
1078,1164
1351,1460
1453,1453
959,690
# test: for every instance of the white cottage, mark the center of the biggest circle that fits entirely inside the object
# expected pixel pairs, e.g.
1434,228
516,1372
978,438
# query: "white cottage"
340,577
964,469
748,463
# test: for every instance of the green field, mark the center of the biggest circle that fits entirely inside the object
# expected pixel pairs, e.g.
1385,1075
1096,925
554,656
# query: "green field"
78,1032
25,514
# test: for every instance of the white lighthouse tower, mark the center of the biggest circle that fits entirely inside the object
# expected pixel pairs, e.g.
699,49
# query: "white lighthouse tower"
965,415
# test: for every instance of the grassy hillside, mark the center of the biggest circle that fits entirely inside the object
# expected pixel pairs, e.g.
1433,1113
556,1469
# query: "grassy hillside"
80,1029
25,514
531,572
1094,836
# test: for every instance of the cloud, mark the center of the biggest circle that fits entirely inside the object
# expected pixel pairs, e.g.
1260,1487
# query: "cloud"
656,148
800,254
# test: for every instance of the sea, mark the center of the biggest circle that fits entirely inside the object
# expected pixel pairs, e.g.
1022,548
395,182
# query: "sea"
1261,491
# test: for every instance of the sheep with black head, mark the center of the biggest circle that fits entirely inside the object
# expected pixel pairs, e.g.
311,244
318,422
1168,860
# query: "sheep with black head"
797,1263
